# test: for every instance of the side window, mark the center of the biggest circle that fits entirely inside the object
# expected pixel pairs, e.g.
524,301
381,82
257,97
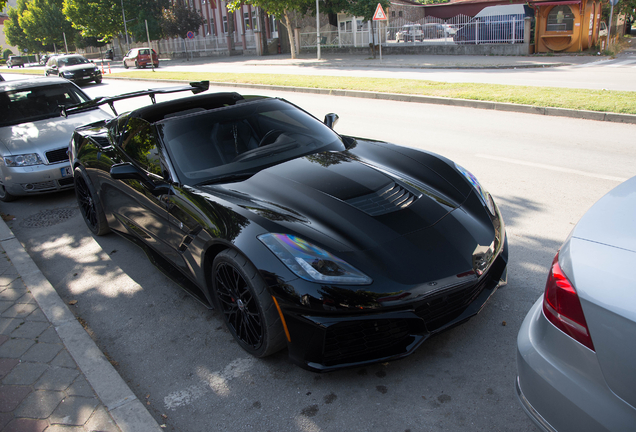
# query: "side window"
140,144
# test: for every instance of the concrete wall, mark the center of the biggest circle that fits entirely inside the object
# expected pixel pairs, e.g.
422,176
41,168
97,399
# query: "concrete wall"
520,49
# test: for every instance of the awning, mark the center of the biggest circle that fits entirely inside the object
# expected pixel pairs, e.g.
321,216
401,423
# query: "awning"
555,3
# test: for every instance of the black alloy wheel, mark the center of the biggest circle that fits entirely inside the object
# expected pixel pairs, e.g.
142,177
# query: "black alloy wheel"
248,309
89,205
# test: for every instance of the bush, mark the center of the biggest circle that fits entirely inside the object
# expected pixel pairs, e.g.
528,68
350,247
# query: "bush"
6,53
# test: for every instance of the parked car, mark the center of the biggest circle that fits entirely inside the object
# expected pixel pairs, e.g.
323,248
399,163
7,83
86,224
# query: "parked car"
576,349
433,31
449,30
140,58
346,251
15,61
34,136
410,32
44,58
73,67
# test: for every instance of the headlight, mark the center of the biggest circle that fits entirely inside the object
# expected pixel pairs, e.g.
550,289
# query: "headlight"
23,160
486,199
67,74
311,262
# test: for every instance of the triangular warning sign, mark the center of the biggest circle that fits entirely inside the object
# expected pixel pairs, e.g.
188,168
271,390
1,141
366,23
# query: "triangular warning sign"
379,14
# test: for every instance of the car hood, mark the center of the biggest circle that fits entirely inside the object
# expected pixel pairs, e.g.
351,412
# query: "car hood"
346,207
43,135
597,258
78,67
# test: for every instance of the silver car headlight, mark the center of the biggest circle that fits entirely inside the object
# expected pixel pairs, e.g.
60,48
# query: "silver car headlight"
23,160
484,195
312,263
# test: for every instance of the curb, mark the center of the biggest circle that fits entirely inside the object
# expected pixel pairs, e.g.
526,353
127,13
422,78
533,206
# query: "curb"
127,411
466,103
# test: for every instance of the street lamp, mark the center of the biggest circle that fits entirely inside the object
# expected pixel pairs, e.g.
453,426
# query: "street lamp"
125,28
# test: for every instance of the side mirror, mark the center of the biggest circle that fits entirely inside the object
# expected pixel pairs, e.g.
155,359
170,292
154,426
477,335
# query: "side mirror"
127,171
331,119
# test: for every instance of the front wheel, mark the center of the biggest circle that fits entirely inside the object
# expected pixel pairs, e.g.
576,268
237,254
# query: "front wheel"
98,80
137,64
6,196
89,204
248,309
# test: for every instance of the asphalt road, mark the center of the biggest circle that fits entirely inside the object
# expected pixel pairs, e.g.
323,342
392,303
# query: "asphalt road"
544,173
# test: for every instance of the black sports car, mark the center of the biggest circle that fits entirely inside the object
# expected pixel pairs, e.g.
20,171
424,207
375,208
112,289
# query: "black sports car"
345,250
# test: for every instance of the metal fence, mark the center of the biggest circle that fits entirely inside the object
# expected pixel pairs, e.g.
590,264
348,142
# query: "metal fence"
460,29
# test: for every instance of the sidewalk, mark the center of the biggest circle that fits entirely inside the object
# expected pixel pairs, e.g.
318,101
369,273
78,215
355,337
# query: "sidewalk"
414,61
52,375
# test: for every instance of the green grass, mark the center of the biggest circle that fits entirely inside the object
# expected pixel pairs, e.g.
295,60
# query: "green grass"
578,99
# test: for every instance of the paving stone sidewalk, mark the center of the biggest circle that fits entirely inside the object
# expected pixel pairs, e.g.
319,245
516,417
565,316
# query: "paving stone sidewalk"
41,386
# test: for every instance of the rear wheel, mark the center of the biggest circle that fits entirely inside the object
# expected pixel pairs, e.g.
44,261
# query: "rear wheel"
125,65
248,309
136,64
89,204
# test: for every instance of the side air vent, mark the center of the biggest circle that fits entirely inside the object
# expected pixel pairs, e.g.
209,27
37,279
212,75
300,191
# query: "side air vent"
391,198
101,140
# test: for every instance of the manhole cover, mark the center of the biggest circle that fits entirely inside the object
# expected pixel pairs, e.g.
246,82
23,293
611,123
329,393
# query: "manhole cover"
48,218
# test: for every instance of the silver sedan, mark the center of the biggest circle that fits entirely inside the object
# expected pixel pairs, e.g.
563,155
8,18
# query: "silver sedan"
576,349
34,136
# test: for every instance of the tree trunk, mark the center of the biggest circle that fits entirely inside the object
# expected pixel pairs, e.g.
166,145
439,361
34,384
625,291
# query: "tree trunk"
290,31
261,26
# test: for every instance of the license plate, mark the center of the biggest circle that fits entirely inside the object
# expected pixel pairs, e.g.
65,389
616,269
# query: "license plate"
66,172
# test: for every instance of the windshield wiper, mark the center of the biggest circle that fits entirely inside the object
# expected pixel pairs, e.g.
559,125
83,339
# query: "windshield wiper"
227,178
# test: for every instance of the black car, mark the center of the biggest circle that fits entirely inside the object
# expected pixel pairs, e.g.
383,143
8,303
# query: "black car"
345,250
73,67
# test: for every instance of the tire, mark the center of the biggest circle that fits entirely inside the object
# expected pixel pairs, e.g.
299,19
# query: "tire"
137,64
89,204
125,65
6,196
248,309
98,80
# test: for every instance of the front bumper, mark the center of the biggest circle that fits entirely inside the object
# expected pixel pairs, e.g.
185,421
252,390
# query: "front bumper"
329,342
37,179
560,384
82,76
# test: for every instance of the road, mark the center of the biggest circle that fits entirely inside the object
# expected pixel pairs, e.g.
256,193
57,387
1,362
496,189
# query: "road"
544,173
587,72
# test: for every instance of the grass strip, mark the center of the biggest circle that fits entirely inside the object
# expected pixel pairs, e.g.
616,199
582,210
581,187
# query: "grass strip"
578,99
623,102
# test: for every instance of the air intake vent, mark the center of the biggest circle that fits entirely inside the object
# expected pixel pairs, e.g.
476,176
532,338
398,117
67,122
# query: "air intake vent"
101,140
392,198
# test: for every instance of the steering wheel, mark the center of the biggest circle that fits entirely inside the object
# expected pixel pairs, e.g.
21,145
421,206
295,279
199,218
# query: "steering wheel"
270,137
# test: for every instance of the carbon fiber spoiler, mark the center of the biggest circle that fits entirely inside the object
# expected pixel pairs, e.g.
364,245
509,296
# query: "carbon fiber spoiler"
194,87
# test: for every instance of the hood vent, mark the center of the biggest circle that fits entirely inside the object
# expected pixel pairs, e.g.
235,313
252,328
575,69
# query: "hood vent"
391,198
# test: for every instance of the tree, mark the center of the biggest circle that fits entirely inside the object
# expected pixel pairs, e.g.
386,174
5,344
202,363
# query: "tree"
281,10
44,21
15,33
179,20
150,11
95,18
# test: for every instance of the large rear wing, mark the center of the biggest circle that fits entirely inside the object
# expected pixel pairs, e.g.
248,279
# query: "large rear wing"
194,87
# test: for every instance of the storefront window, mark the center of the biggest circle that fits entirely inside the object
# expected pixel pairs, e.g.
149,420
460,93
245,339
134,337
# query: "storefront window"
560,18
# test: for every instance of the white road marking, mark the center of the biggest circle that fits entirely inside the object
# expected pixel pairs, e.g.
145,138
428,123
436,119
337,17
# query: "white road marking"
216,382
598,63
552,168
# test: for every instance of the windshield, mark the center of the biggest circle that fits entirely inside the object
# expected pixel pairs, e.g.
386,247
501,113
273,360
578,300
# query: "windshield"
37,103
242,139
70,61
